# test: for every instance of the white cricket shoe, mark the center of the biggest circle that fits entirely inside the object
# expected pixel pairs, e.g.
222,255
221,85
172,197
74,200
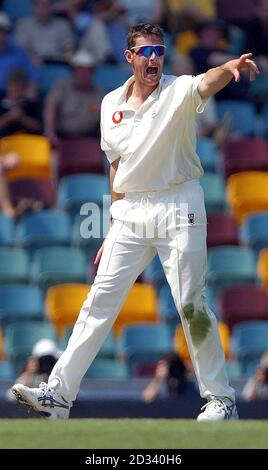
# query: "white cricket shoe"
46,401
218,409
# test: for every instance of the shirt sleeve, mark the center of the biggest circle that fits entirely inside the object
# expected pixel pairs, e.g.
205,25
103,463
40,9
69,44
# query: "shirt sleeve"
105,146
198,101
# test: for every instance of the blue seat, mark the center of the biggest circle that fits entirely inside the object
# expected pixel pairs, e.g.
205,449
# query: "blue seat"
89,229
242,115
55,265
76,190
50,73
14,265
7,371
249,342
208,154
20,302
214,192
7,230
144,343
21,337
109,76
230,265
17,9
167,308
107,369
254,231
154,273
44,228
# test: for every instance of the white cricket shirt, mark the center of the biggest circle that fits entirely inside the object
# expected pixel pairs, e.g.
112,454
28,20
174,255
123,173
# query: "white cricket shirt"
157,142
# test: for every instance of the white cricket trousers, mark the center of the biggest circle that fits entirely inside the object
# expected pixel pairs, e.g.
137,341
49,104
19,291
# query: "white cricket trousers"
173,224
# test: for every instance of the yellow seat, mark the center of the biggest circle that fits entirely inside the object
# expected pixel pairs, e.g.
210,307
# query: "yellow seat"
140,306
63,304
35,156
181,348
262,267
247,193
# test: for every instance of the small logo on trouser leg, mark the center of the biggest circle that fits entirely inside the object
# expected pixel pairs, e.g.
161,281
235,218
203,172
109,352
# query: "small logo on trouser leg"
191,218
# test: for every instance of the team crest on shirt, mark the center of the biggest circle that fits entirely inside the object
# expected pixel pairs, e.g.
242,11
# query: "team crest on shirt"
117,117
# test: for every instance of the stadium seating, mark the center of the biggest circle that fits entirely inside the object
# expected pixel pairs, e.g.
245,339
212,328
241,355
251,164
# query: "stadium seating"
107,369
56,265
247,193
2,345
222,229
79,155
7,230
21,337
37,189
20,302
244,155
110,76
78,189
242,114
242,303
44,228
167,309
89,229
254,231
35,156
262,268
7,371
154,273
230,265
140,306
208,154
144,343
14,265
181,348
51,73
249,341
214,192
63,303
16,10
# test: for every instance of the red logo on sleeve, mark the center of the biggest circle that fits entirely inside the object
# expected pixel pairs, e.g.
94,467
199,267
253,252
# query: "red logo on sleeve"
117,117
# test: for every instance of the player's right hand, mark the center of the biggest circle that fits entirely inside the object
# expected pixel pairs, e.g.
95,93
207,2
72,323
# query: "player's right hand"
99,254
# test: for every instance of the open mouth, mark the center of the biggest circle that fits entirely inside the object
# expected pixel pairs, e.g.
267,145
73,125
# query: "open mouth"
152,71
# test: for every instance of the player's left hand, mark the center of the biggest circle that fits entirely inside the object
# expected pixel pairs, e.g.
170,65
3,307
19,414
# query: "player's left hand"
244,62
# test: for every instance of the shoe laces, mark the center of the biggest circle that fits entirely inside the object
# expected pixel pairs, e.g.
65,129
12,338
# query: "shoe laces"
44,387
216,404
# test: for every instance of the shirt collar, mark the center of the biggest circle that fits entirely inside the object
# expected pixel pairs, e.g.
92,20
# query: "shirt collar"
121,100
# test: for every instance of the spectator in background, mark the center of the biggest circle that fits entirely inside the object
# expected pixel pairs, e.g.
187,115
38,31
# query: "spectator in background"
256,38
72,108
143,11
12,55
46,37
38,366
95,40
17,112
257,386
115,19
171,371
212,51
76,11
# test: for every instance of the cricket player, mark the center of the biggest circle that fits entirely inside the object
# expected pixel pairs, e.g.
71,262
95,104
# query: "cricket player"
148,135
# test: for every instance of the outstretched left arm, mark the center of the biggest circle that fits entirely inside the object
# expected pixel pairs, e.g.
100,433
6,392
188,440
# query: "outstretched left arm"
217,78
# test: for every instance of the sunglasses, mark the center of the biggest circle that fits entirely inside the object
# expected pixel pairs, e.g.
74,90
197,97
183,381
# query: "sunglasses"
146,51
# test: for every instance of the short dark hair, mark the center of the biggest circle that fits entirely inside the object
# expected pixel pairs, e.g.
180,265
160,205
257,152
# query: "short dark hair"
143,29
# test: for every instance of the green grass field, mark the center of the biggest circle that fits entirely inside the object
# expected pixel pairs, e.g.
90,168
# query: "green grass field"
132,434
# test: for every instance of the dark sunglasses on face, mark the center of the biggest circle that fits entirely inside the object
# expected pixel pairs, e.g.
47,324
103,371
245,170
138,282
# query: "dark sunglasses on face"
146,51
